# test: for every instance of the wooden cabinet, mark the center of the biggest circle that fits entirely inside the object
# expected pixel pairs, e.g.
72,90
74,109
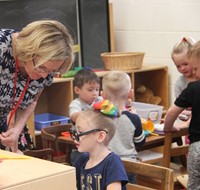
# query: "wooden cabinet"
154,77
56,98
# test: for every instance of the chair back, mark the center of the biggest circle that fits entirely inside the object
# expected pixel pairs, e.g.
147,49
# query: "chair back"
49,136
46,154
169,150
155,177
180,150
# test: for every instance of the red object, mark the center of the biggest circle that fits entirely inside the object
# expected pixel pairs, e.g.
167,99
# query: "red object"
66,134
187,141
14,107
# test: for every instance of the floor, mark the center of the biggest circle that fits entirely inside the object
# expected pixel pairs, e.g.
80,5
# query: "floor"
178,170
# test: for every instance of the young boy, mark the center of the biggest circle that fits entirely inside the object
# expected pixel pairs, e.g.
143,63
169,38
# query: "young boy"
190,98
86,86
116,87
97,167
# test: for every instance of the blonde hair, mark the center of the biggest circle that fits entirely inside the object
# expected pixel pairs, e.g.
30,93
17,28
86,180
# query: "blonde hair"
100,121
184,45
47,39
194,51
116,85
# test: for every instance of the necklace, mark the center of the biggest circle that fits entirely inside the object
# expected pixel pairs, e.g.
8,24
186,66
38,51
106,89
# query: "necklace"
14,107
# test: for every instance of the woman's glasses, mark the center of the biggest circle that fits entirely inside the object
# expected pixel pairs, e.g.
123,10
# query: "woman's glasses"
76,136
43,69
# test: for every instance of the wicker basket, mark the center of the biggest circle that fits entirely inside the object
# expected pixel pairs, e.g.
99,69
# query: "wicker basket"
122,60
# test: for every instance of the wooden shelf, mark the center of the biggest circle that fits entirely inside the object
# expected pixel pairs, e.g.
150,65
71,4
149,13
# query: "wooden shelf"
154,77
56,98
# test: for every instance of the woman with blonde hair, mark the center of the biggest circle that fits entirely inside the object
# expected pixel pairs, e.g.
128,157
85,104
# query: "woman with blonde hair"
28,60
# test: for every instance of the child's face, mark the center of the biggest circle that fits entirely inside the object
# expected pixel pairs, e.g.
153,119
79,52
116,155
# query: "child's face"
182,64
195,64
87,141
89,92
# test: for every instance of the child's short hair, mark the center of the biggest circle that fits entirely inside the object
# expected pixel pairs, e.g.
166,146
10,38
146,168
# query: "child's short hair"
100,121
116,85
184,45
85,76
194,51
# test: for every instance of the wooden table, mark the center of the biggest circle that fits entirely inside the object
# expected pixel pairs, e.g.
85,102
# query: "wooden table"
19,172
151,142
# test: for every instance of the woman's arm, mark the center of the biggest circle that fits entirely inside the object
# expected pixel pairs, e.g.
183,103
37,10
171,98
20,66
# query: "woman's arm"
10,137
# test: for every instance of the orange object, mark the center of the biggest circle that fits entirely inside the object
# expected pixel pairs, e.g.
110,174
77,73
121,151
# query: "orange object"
66,134
148,125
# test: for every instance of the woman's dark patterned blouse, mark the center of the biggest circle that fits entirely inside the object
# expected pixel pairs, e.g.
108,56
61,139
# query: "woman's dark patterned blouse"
7,73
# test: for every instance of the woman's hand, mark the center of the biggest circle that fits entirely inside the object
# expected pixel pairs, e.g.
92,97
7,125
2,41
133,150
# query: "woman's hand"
9,138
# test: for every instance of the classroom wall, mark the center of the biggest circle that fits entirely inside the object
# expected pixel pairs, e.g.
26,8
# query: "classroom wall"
154,26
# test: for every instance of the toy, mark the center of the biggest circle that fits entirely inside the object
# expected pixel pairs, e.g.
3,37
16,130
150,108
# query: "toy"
106,108
146,95
148,127
71,73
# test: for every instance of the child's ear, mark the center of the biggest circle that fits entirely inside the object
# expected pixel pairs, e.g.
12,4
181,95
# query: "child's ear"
76,90
130,95
102,136
102,93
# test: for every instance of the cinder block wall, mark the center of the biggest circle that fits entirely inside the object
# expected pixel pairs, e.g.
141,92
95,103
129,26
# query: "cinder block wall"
154,26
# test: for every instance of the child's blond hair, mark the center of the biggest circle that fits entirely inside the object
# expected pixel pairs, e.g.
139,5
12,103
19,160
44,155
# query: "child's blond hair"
116,85
194,51
184,45
100,121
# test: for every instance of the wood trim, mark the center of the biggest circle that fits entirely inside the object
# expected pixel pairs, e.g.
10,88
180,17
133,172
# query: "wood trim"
111,22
